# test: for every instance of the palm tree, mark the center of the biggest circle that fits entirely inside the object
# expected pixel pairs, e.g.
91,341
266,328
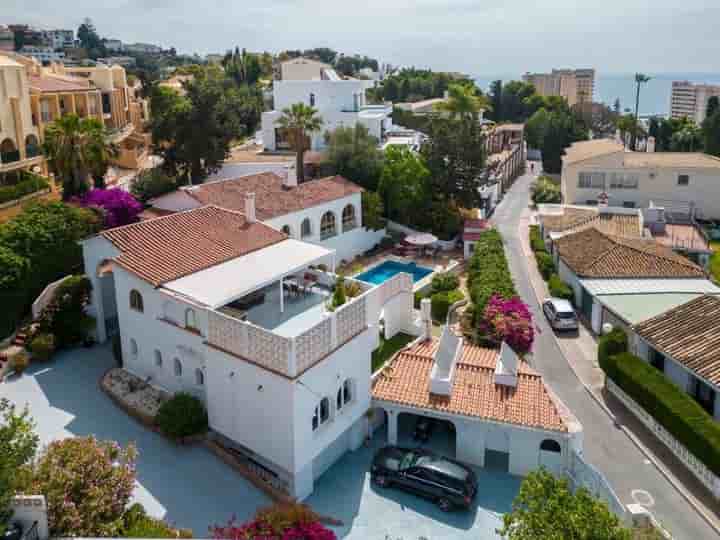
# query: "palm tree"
300,120
463,102
77,147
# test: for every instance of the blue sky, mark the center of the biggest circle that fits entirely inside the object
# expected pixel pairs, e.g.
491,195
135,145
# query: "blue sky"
480,37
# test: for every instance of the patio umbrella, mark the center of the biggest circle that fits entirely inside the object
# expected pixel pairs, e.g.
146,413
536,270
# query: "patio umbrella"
421,239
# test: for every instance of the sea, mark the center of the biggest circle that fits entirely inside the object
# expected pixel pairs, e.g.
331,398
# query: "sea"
654,95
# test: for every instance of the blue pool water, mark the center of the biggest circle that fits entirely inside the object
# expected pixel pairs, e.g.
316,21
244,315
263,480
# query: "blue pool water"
388,269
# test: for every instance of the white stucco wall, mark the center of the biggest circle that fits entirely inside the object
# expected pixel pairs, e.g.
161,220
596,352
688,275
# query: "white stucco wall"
569,277
96,250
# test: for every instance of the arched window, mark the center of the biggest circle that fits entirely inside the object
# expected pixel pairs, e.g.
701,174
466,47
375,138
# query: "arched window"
348,218
339,400
306,228
158,358
133,347
190,319
312,100
32,146
328,228
136,301
286,229
316,418
348,391
199,377
324,410
177,367
550,445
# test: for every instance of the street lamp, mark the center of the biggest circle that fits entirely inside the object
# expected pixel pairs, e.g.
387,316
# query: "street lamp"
640,78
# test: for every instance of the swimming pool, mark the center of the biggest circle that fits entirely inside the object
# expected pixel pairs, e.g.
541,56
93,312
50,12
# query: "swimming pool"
387,269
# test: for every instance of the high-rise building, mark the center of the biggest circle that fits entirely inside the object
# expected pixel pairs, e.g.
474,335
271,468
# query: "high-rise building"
690,100
575,85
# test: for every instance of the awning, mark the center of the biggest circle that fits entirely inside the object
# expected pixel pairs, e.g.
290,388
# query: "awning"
228,281
644,286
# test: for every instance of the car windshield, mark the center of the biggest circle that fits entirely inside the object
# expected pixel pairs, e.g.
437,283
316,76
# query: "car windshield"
566,315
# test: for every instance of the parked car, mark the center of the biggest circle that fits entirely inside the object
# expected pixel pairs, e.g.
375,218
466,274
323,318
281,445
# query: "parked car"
423,428
446,482
560,314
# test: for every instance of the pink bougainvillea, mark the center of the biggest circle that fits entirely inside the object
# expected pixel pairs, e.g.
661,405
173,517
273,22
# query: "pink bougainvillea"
118,206
509,321
280,522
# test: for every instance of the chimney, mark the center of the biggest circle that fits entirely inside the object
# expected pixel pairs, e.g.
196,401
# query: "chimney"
250,207
426,319
650,145
290,177
603,200
506,367
446,357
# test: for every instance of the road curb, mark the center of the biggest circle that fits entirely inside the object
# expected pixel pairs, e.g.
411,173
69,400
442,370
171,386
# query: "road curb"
645,451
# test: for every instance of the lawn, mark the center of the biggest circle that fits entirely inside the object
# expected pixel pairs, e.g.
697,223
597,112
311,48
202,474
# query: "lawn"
387,348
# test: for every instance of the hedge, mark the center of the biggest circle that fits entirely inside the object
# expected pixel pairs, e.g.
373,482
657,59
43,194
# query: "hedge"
488,271
29,184
440,303
536,240
545,264
559,289
675,410
616,342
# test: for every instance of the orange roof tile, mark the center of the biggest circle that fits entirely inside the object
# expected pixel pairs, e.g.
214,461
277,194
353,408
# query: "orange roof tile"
405,380
56,83
170,247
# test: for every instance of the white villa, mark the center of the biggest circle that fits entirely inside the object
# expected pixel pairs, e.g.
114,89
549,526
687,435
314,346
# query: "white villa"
213,302
340,102
325,211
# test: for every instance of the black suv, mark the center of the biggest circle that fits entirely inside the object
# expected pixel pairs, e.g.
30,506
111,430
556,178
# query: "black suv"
447,482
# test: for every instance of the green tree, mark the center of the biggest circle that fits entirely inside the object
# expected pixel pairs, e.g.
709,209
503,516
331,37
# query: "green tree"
77,147
90,40
404,184
629,126
514,107
300,121
463,102
713,106
496,110
688,138
353,153
372,208
547,508
18,444
711,133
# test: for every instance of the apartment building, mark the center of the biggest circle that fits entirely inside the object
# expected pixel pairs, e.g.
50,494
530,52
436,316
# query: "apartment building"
43,53
59,39
575,85
339,102
690,100
143,48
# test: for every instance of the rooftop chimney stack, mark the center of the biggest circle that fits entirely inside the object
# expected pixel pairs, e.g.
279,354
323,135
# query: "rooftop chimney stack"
507,366
650,145
250,208
426,318
446,357
290,177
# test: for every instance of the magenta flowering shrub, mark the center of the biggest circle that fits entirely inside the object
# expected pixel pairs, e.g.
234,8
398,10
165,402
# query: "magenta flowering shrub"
118,206
87,484
280,522
510,321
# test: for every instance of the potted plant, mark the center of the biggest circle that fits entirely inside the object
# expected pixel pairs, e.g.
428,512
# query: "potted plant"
20,362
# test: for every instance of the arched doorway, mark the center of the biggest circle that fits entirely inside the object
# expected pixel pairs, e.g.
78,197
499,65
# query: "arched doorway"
32,146
8,151
550,456
435,434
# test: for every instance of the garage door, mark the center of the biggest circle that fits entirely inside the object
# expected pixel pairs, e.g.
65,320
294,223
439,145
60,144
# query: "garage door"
331,454
497,461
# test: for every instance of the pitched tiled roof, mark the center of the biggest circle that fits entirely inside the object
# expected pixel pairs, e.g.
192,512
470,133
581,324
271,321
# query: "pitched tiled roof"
56,83
167,248
594,254
578,219
580,151
690,334
271,198
671,159
405,380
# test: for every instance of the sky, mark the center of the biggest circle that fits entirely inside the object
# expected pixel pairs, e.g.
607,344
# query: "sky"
478,37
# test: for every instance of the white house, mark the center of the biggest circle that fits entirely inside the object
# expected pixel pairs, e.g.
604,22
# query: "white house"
339,102
326,211
502,413
215,303
637,179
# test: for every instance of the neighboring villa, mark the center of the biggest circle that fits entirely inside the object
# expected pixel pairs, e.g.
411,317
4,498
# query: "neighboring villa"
684,343
502,413
218,304
326,211
340,102
603,168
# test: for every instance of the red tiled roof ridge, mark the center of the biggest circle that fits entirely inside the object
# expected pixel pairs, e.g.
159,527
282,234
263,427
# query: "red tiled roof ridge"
658,251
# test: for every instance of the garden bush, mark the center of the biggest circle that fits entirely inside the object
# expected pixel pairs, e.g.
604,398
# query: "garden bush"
536,240
559,289
152,183
20,362
545,191
291,521
137,524
615,342
118,207
183,415
30,183
675,410
440,303
545,264
445,282
488,271
65,316
42,347
509,321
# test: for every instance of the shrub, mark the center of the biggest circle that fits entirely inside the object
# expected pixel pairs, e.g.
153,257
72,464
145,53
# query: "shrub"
20,362
42,347
545,264
440,303
137,524
352,289
417,299
678,412
118,206
183,415
559,289
152,183
536,240
288,521
339,297
65,316
509,321
616,342
30,183
545,191
445,282
387,242
488,271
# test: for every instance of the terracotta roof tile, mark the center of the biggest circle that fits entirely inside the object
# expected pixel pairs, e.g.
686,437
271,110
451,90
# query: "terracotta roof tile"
167,248
578,219
591,253
271,198
406,381
56,83
690,334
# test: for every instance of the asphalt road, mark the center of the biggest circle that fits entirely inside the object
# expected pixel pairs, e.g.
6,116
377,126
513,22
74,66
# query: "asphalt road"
632,476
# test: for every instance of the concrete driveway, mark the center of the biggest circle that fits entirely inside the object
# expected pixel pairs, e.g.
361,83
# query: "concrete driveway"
368,512
188,486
